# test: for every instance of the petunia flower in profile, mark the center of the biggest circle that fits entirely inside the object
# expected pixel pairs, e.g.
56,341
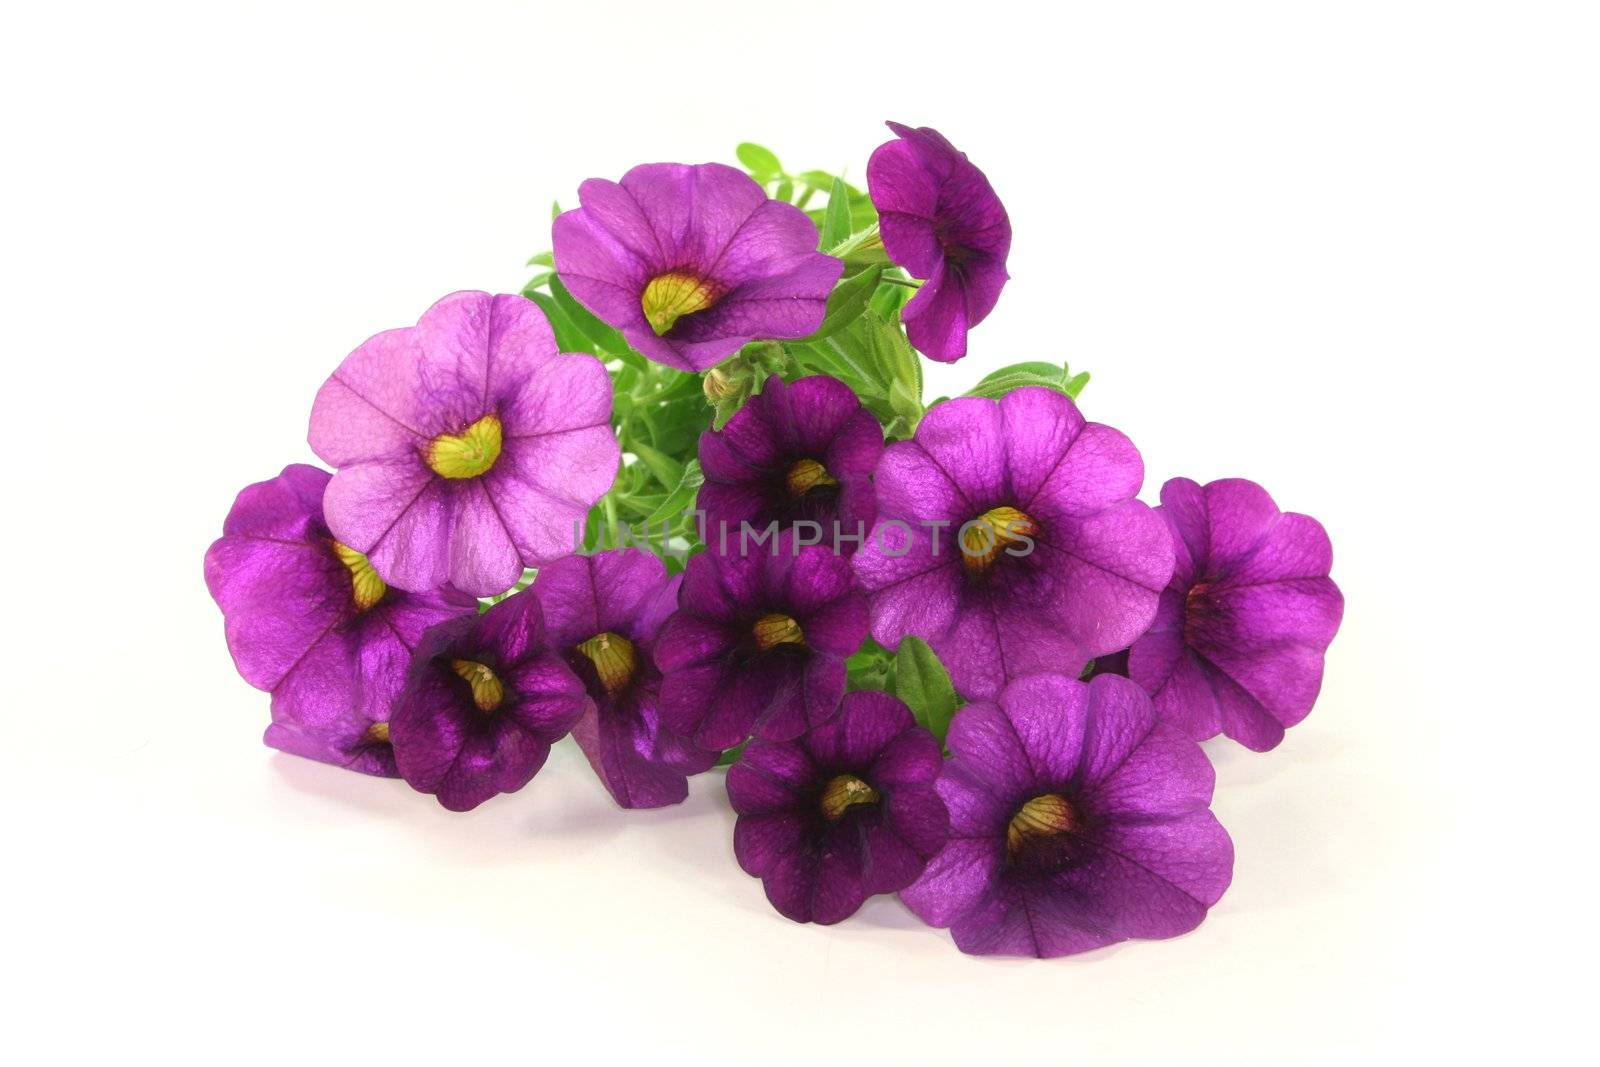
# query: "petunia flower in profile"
1077,819
1009,539
941,221
759,642
467,447
603,613
691,263
800,452
485,699
308,620
846,811
1238,640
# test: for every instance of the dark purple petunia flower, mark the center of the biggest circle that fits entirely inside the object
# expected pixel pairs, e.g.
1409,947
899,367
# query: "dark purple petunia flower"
485,699
310,621
759,642
1009,539
843,813
803,452
693,263
1076,820
467,446
1238,641
941,221
604,612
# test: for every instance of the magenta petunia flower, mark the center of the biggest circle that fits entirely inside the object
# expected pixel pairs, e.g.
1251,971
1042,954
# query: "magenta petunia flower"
803,452
310,621
941,221
1009,539
693,263
759,642
604,612
1077,819
485,699
467,446
1238,640
846,811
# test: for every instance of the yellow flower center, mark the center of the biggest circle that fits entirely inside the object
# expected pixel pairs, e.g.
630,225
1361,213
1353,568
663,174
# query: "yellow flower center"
774,630
487,692
807,475
843,791
983,538
366,588
378,733
669,297
467,454
1043,816
613,658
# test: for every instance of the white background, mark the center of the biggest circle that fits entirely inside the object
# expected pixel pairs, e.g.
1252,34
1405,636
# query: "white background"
1348,250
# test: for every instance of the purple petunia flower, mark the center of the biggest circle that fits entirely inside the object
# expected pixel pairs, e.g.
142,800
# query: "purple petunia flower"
803,452
845,812
467,447
310,621
1009,539
1076,820
1238,641
485,699
604,612
941,221
759,642
693,263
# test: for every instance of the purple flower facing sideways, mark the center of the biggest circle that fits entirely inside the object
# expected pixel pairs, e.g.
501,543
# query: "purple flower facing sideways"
604,612
467,447
1076,820
941,221
693,263
310,621
1238,641
801,452
485,699
759,642
845,812
1009,539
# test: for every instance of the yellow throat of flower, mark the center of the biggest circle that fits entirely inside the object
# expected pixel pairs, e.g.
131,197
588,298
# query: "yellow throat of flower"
806,475
467,454
366,588
614,660
983,538
378,733
774,630
843,791
1043,816
669,297
487,692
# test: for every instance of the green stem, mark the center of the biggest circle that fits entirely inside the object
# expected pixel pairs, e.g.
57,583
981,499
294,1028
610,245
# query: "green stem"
909,283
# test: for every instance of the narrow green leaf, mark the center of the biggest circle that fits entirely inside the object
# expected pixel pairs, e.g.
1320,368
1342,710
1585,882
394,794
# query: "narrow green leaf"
602,337
1020,375
836,223
543,259
665,469
762,164
682,496
847,301
731,755
923,683
568,337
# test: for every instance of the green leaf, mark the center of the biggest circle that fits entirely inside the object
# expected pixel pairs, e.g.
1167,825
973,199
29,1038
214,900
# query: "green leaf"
682,496
847,301
568,337
762,164
923,683
543,259
555,213
785,191
602,337
731,755
665,469
836,223
1018,375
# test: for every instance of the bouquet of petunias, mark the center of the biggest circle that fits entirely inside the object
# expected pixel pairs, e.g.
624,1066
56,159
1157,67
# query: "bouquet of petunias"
683,499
